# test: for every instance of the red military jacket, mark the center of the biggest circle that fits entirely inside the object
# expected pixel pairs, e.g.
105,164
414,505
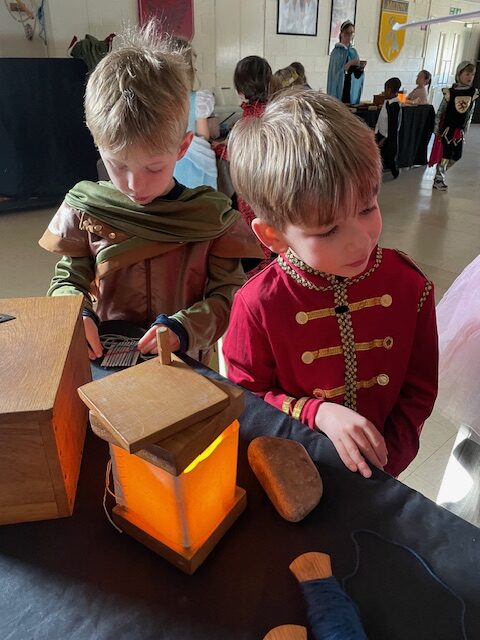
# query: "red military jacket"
298,337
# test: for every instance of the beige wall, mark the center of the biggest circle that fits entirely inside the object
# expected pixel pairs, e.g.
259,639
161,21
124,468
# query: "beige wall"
66,18
13,43
227,30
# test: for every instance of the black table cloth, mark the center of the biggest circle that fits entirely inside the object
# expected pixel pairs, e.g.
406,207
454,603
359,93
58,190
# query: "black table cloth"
78,578
369,116
415,132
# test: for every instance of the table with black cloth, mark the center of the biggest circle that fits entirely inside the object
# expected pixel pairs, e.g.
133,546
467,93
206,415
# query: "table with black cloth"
45,147
414,135
78,578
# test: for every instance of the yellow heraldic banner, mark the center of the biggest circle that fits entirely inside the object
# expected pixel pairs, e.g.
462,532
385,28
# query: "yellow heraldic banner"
390,42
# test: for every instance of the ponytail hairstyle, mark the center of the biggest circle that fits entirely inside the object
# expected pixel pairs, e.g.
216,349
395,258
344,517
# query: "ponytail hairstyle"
253,79
428,77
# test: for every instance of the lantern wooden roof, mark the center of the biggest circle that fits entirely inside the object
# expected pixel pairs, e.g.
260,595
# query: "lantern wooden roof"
166,414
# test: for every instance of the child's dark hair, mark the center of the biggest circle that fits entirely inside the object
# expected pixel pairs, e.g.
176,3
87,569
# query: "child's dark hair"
252,78
428,78
393,84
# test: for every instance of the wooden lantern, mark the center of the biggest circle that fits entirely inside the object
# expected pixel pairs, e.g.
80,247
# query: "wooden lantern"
42,420
173,443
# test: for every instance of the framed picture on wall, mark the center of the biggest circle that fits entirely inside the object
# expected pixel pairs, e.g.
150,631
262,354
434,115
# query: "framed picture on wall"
341,10
297,17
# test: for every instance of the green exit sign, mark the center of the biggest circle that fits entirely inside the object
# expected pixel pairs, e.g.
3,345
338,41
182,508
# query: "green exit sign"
454,11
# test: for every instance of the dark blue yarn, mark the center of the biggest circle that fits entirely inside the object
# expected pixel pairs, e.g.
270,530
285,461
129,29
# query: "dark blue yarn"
422,562
331,613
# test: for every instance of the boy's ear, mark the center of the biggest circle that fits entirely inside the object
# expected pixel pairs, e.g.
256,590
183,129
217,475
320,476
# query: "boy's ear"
187,139
269,236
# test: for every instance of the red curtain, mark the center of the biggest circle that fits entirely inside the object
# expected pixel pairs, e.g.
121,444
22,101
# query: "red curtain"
176,16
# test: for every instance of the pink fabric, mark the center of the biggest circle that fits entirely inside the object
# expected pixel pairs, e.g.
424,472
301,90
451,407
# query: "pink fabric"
458,316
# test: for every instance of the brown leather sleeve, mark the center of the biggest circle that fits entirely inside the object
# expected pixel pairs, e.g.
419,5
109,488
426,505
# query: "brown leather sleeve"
64,235
238,242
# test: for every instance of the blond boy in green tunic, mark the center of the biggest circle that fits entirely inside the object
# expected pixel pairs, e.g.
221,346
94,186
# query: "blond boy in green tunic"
142,247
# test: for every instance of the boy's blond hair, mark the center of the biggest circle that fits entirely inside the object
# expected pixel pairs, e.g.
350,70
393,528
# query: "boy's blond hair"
305,161
138,94
183,46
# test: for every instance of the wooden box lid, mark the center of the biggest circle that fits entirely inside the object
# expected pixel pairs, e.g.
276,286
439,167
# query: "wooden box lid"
146,403
174,453
34,348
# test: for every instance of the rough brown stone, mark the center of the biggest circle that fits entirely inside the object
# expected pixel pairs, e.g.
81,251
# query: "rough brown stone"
288,475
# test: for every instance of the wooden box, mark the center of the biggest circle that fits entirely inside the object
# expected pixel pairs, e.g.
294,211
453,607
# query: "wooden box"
42,420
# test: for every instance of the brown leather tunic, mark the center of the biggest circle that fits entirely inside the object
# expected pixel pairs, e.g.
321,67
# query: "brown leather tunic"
136,280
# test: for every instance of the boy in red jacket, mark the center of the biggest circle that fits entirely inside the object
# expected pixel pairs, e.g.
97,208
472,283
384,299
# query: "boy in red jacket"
337,332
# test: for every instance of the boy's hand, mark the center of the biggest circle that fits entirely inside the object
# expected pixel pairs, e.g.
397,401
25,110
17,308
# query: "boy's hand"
148,344
354,437
95,349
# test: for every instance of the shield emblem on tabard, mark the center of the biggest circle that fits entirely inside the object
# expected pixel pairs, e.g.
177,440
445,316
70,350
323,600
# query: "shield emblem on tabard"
462,103
390,42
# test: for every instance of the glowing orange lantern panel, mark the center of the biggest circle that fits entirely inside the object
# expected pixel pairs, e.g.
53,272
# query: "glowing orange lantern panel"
182,511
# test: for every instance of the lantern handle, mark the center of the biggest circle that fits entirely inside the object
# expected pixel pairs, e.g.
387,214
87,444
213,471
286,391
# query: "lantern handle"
163,346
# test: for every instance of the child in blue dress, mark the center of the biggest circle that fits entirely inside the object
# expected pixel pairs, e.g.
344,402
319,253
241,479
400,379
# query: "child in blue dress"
345,69
198,166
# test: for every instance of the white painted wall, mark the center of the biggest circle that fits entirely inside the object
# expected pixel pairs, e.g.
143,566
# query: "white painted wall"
13,43
240,27
204,42
66,18
227,30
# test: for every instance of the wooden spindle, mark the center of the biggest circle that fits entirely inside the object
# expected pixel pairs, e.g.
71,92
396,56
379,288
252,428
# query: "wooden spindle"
163,346
287,632
311,566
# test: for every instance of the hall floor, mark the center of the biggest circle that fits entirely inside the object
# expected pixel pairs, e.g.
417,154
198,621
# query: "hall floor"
440,230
